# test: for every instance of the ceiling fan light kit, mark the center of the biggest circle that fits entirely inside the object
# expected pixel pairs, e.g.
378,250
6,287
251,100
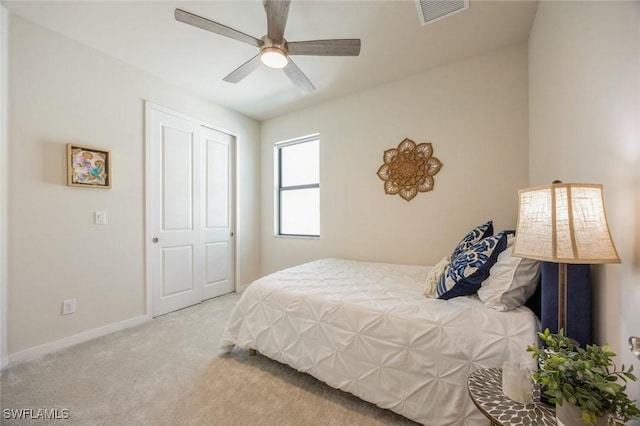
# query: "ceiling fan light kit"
274,49
273,58
273,55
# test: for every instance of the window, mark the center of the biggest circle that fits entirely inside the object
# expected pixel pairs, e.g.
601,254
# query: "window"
298,187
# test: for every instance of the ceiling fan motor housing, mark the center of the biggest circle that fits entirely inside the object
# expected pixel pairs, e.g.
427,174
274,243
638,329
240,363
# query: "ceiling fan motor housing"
274,45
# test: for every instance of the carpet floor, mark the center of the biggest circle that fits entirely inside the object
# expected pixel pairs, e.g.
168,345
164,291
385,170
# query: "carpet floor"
169,372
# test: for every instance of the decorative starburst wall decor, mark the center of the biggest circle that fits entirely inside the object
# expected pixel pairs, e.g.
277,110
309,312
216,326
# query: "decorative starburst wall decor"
409,169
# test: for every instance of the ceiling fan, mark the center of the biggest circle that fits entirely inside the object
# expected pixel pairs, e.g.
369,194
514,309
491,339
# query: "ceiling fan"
274,49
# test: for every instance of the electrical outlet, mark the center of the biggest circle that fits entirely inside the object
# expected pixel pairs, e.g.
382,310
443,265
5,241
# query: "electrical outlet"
68,306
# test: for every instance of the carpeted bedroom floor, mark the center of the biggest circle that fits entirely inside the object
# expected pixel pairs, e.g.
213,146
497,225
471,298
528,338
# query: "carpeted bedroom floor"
168,372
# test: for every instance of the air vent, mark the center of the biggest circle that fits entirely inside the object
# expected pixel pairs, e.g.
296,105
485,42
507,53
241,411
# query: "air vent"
432,10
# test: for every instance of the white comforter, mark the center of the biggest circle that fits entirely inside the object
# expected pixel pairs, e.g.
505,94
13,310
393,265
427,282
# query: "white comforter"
367,329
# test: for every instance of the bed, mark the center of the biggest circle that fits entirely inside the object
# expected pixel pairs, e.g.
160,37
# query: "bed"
367,328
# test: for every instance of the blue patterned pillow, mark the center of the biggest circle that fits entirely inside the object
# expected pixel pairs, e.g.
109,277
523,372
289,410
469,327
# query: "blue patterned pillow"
475,235
467,271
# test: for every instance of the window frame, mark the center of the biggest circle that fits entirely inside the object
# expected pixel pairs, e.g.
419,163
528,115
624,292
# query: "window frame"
279,188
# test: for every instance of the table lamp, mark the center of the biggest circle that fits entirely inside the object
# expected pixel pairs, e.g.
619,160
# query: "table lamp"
564,223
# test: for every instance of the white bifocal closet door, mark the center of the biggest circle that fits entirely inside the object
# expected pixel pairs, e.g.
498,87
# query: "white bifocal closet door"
189,249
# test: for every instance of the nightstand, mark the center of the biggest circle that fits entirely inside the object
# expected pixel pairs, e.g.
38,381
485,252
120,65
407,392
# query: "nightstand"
485,389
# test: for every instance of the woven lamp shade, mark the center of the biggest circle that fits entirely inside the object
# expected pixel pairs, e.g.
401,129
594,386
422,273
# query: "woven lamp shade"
564,223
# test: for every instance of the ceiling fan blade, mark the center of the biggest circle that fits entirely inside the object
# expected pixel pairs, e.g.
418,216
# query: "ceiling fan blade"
243,70
298,78
277,13
214,27
338,47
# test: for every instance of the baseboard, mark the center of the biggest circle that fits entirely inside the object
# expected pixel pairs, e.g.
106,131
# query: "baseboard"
47,348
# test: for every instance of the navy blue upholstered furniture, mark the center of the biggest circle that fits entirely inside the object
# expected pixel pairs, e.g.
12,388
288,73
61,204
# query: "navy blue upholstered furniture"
578,301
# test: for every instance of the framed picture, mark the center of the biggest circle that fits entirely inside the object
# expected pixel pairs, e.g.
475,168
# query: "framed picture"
88,166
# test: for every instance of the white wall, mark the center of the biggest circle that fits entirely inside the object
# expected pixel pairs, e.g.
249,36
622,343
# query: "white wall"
61,92
584,88
474,112
4,140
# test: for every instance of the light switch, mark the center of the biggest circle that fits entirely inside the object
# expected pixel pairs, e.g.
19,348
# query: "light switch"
100,218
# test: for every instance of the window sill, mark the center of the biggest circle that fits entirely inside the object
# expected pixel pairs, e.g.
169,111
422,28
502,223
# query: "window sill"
298,237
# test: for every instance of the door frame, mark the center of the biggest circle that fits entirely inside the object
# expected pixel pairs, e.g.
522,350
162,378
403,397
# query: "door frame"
148,233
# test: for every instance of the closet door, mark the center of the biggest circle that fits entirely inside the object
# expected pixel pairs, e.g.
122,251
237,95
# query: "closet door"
218,241
189,248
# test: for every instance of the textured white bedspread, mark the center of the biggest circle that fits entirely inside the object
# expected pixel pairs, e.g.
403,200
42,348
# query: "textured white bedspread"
367,329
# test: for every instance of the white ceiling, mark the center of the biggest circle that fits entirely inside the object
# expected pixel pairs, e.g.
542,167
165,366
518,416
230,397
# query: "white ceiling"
394,43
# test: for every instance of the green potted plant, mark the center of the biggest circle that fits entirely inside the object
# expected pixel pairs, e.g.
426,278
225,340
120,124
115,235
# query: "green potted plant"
583,382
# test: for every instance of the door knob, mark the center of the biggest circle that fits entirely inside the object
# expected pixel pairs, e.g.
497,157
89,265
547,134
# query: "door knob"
155,240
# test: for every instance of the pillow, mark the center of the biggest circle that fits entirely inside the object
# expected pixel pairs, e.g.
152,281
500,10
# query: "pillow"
467,271
434,276
475,235
511,282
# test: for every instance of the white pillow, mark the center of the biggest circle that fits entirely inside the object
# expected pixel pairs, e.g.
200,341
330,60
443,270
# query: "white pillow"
433,277
512,281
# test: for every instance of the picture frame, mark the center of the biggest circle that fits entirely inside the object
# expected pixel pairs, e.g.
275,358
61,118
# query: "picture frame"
88,166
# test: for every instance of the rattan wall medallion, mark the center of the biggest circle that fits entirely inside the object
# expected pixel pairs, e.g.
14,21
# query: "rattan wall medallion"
409,169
